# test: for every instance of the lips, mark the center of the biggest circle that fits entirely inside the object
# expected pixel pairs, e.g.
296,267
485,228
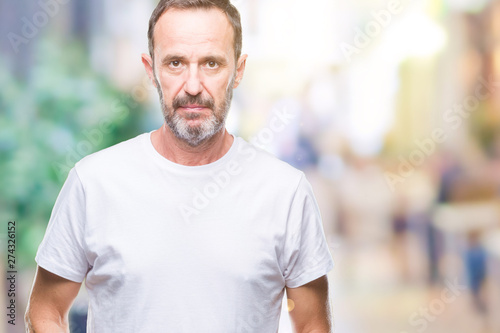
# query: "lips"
193,106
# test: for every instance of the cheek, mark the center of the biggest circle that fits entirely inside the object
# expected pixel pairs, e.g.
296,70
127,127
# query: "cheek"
170,86
218,88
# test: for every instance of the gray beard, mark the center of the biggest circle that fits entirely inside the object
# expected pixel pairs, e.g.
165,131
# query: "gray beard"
196,135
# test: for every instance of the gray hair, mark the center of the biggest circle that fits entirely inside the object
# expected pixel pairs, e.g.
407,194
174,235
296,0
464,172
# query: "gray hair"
227,8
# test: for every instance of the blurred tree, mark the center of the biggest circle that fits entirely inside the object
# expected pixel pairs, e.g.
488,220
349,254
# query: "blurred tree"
62,112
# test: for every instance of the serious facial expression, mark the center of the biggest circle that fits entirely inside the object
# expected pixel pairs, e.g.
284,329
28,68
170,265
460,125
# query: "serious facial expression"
194,71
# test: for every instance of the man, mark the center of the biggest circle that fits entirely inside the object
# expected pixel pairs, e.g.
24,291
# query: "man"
187,228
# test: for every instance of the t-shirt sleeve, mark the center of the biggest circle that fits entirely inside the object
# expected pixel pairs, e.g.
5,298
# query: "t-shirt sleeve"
62,249
306,255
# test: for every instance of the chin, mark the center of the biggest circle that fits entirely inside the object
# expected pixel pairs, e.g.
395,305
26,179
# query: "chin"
194,131
195,135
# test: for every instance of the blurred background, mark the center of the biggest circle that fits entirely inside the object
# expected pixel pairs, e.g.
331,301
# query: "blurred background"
392,109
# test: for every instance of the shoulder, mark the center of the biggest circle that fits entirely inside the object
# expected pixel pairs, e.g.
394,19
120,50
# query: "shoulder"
111,158
266,165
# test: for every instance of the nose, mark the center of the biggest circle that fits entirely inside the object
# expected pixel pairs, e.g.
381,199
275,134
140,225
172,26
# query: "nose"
193,85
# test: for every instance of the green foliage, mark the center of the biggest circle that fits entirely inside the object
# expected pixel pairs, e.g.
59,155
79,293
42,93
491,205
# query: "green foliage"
45,124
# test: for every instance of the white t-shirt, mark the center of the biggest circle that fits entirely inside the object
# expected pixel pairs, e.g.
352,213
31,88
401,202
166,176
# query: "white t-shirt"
170,248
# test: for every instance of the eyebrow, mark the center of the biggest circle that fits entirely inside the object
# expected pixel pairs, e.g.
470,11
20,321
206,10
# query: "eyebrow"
174,57
220,60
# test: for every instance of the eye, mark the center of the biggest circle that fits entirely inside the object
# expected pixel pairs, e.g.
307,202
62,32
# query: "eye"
212,64
175,63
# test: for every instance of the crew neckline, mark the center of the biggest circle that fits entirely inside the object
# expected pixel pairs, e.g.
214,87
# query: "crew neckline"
197,168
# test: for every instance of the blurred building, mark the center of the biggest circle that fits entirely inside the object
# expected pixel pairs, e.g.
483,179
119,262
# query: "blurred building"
392,108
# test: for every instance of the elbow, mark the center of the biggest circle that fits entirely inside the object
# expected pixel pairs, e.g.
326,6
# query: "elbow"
27,321
317,330
323,327
36,322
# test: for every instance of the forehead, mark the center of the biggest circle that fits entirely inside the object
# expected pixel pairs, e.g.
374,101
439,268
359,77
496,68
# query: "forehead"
186,30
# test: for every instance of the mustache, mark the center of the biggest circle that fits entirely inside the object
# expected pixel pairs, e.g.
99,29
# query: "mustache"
179,101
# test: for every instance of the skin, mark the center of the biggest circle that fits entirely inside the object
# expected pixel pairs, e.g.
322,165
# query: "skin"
49,303
194,54
309,308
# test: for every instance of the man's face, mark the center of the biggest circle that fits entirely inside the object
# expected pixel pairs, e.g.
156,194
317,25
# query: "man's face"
195,71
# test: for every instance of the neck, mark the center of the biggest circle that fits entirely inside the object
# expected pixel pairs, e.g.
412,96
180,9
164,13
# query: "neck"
178,151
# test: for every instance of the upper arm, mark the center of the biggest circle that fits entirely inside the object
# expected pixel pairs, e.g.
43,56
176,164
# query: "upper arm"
309,307
51,299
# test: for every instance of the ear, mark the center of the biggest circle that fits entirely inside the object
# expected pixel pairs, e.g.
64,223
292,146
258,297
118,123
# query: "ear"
148,65
240,70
